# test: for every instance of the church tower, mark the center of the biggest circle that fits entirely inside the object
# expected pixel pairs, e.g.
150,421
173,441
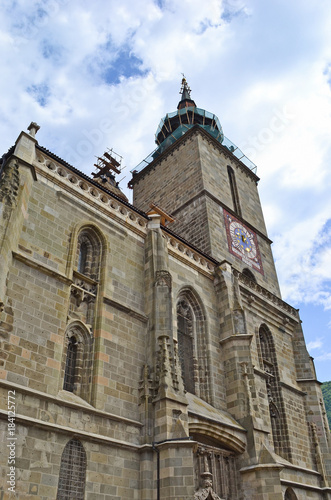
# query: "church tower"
209,187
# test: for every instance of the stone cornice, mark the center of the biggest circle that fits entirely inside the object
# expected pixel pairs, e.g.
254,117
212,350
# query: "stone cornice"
262,293
82,187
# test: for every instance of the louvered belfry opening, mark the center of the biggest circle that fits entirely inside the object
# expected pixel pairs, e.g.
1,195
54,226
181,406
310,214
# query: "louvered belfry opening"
72,472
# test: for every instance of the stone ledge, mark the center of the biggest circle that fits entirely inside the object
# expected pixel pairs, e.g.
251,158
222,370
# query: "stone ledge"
285,482
88,436
293,389
29,261
122,307
239,336
308,381
84,407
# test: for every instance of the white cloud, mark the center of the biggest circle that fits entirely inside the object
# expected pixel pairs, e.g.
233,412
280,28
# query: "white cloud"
315,344
324,357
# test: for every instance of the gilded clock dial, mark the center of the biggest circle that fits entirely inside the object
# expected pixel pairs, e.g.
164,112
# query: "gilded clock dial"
242,240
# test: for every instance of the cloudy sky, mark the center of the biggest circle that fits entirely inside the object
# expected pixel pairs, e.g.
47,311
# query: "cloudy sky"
101,74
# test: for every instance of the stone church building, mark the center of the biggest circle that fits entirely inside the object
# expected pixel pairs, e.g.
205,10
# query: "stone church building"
146,352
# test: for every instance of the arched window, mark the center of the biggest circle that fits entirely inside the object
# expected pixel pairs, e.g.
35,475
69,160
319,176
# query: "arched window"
192,342
89,253
72,472
234,190
185,344
71,361
274,395
248,273
290,495
78,360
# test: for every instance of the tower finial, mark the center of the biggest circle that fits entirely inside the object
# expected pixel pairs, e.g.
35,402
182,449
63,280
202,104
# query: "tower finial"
185,89
185,92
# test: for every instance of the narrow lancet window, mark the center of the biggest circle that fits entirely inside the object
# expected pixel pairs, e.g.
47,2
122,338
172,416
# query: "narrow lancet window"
82,259
70,369
185,344
234,191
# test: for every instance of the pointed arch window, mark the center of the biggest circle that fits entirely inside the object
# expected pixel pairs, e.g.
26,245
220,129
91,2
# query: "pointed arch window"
89,253
72,476
185,344
78,360
234,191
70,368
192,344
275,400
290,495
248,273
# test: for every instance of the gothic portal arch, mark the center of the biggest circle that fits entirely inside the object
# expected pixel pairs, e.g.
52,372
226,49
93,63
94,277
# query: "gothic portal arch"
192,342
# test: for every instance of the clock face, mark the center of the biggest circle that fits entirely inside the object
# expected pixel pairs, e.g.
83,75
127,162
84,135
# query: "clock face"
242,242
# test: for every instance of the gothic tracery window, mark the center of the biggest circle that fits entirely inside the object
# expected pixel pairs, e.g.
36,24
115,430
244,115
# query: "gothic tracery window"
72,475
185,344
192,344
70,368
275,402
89,253
78,361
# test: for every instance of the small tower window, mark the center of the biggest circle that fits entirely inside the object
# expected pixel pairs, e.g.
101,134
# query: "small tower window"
72,472
234,191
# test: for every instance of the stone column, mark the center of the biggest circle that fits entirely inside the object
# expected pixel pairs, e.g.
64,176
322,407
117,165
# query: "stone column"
164,408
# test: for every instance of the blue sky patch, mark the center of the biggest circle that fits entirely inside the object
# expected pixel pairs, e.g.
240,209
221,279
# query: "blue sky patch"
124,65
40,92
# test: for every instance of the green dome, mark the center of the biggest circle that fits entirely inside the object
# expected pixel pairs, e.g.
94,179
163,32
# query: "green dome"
177,123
